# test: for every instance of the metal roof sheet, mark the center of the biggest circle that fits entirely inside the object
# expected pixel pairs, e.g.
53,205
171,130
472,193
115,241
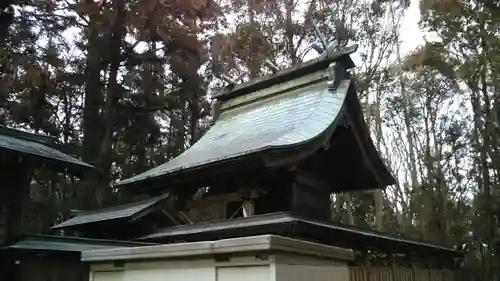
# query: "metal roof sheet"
37,148
124,211
69,244
268,223
282,116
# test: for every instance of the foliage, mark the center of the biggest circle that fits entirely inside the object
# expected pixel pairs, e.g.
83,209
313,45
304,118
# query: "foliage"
124,84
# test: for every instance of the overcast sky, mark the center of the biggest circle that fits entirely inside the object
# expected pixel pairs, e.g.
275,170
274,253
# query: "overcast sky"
410,32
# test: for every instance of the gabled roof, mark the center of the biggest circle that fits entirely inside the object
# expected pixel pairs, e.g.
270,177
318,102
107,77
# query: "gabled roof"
276,113
68,244
129,211
38,147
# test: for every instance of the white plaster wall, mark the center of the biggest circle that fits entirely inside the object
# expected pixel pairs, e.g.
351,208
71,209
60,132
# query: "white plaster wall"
149,274
238,269
287,272
273,268
244,273
107,275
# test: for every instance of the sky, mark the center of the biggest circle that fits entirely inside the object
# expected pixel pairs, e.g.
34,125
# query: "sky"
410,32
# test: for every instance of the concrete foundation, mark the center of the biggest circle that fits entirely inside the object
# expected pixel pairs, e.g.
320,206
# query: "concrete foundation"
265,257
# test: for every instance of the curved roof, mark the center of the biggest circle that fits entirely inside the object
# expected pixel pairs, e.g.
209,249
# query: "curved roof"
282,116
275,121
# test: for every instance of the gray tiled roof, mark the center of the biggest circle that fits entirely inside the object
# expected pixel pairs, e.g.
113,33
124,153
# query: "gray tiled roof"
278,118
20,142
69,244
117,212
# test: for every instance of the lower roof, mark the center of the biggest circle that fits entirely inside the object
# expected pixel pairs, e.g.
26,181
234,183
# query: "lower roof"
253,244
68,244
125,211
291,225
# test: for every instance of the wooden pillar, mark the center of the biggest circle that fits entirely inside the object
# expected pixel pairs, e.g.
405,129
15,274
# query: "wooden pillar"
393,267
443,268
413,270
366,266
429,264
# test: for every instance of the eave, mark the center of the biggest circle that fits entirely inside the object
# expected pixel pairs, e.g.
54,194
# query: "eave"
39,151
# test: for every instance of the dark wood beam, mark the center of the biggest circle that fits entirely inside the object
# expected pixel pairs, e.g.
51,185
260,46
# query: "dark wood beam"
218,199
365,158
312,181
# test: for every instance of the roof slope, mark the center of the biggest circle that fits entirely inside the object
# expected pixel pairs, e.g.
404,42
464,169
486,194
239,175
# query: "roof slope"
69,244
257,123
271,122
125,211
35,145
283,222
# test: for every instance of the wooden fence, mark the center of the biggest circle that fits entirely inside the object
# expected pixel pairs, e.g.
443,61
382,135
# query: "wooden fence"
365,273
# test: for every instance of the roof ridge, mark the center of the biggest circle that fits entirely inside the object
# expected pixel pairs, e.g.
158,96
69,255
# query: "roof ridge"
343,56
84,239
39,138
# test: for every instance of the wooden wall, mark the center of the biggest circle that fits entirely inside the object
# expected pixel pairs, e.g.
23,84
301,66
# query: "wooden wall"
53,269
14,192
3,227
378,273
41,266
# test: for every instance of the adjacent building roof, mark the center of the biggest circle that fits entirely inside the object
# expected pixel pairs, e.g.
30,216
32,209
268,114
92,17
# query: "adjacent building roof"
295,226
37,146
68,244
130,211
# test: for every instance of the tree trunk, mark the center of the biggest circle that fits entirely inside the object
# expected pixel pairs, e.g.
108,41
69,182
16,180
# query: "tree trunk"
113,92
92,104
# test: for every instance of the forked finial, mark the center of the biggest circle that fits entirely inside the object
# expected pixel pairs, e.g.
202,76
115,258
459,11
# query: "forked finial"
326,47
321,37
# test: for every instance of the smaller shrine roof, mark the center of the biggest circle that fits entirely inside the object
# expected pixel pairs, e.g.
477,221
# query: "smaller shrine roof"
68,244
126,211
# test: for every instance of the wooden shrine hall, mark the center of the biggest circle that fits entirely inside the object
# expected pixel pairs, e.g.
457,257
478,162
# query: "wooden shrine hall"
266,169
24,254
20,154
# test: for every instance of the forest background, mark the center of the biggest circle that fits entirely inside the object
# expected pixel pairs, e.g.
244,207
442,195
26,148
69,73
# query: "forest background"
123,84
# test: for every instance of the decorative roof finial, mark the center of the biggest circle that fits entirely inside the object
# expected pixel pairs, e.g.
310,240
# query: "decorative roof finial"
339,32
321,37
